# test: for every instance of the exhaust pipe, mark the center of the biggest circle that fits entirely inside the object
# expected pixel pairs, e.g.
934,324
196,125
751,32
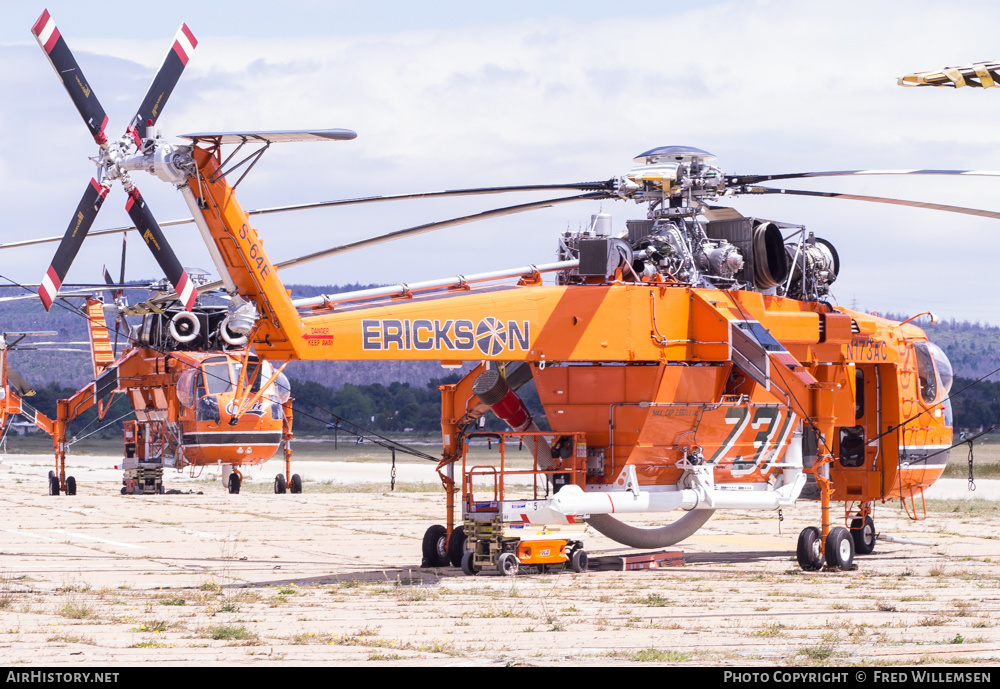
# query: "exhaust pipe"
492,390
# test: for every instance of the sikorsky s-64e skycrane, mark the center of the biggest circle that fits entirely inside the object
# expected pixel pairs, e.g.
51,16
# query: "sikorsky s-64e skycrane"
185,367
689,361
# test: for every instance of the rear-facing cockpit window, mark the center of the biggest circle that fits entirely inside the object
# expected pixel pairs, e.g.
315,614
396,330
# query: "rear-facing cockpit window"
934,372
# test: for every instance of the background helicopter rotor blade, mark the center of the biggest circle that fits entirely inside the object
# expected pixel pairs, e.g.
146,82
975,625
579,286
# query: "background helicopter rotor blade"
157,243
71,75
19,384
93,233
875,199
113,297
119,293
163,84
121,275
755,179
110,281
977,75
86,211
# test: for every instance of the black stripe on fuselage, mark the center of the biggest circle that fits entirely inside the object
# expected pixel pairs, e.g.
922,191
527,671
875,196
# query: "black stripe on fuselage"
245,438
924,455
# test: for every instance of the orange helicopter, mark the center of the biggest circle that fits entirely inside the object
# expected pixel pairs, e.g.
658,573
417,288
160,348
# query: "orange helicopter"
182,376
13,388
199,396
180,385
690,361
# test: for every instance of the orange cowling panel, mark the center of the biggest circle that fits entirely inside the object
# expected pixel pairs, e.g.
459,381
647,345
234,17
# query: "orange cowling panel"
655,416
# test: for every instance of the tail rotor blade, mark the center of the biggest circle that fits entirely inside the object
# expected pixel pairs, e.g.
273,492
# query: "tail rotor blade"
163,83
71,75
151,233
86,211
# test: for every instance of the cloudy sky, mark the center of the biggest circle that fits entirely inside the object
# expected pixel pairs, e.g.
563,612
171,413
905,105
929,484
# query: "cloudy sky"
454,94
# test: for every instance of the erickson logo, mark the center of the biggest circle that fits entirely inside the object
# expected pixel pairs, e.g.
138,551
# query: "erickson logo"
490,335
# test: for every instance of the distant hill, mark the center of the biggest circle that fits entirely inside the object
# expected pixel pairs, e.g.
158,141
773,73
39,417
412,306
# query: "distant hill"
974,348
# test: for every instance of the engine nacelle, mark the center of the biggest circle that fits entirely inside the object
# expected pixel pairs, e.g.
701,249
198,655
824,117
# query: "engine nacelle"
814,265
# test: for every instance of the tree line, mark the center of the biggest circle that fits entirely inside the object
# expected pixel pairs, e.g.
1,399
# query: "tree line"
402,407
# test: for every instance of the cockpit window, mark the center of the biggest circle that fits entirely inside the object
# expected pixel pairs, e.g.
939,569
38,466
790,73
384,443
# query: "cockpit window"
217,378
185,388
925,371
944,371
256,369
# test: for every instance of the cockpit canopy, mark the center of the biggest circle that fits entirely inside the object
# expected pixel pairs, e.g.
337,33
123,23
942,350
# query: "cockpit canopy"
219,374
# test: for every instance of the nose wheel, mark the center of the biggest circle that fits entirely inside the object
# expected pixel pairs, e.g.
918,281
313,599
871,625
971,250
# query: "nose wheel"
56,489
839,549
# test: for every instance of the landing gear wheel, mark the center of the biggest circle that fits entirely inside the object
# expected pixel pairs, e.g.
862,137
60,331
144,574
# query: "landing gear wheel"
53,484
579,560
234,483
467,566
807,552
456,546
296,485
839,549
507,564
435,547
279,484
70,485
863,533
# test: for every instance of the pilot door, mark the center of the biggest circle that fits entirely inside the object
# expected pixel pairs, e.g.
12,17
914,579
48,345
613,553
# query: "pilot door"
859,461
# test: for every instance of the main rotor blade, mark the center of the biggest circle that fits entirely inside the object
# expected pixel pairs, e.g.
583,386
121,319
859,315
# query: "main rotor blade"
163,84
71,75
875,199
582,186
439,225
420,229
86,211
157,243
343,202
755,179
